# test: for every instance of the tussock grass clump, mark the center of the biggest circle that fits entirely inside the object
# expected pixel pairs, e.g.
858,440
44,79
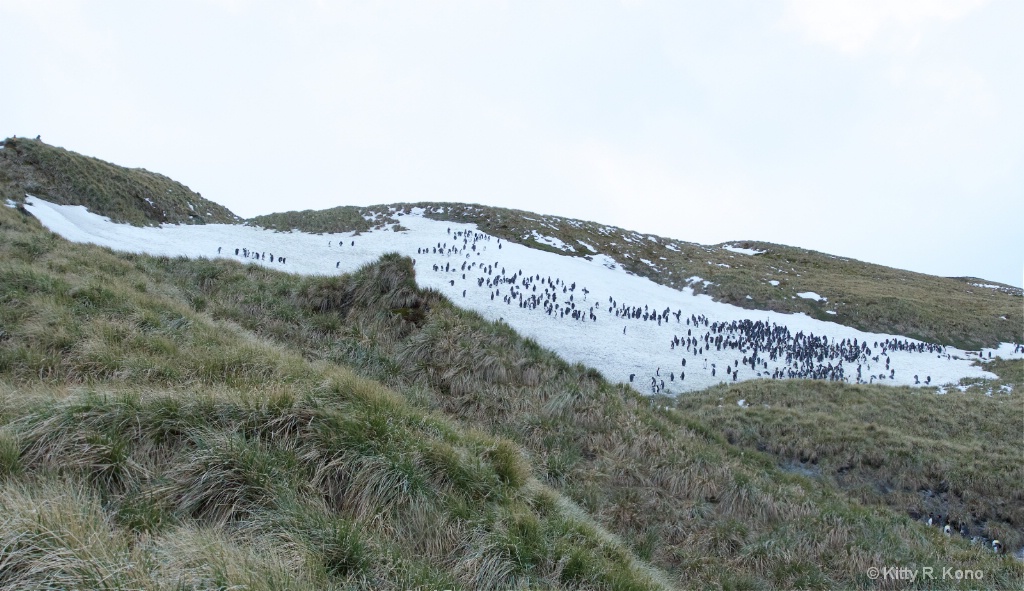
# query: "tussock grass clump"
344,500
227,477
10,456
58,536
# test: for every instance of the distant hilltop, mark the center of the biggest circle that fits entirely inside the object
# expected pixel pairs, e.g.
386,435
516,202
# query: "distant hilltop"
128,195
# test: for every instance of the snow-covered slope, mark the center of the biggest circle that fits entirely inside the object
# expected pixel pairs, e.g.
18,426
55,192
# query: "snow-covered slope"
587,310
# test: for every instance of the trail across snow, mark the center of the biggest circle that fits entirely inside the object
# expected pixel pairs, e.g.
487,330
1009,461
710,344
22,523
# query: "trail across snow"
521,286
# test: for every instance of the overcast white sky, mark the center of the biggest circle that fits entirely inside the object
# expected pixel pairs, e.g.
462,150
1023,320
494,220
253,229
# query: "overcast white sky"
890,131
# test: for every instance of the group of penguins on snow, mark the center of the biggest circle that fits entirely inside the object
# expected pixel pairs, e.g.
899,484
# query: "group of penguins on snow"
253,254
522,290
263,255
805,356
756,344
952,527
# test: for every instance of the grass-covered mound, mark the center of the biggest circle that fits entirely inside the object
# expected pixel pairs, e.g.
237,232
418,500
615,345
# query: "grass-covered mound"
127,195
874,298
208,401
347,218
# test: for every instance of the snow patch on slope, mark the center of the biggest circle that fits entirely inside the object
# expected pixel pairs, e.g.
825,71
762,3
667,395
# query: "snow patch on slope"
614,345
747,251
551,241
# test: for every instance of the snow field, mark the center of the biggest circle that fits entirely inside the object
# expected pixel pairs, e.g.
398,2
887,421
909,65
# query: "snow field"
615,346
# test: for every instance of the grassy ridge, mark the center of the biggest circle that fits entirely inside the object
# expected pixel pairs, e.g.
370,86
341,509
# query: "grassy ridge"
328,221
132,196
869,297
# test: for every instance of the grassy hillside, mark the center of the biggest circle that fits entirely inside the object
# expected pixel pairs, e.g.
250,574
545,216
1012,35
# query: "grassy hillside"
128,195
146,443
169,422
347,218
914,450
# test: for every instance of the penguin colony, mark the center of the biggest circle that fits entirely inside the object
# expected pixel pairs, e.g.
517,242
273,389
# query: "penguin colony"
758,349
